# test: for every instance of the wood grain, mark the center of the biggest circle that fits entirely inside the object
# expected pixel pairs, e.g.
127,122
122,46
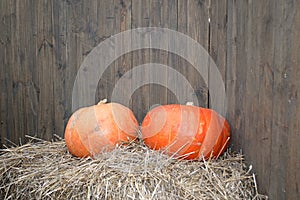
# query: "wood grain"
262,41
140,98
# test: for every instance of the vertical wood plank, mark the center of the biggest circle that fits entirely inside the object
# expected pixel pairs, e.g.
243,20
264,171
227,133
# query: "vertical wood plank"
5,43
158,93
236,72
74,28
284,16
15,85
178,63
234,114
256,87
122,64
217,47
170,18
88,33
60,64
251,82
45,74
188,13
262,88
140,18
197,11
293,164
217,36
27,62
106,23
263,102
12,78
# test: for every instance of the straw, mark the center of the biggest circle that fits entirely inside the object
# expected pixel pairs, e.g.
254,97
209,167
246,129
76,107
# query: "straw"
45,170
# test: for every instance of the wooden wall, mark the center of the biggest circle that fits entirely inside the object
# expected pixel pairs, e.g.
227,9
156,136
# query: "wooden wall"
263,71
256,45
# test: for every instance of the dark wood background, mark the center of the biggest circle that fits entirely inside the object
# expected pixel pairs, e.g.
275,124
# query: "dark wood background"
256,45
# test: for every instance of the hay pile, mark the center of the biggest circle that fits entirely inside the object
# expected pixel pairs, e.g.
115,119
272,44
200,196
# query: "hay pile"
45,170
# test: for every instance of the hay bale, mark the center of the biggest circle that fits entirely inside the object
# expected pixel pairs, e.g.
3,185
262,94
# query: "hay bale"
45,170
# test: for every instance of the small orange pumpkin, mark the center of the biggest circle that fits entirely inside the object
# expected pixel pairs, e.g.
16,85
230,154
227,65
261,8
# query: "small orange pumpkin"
92,130
186,131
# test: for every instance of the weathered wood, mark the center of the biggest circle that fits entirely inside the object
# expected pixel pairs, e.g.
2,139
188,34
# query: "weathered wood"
123,64
159,17
178,63
217,14
164,15
292,181
5,17
45,74
140,18
262,37
59,36
244,83
236,72
106,27
19,115
197,11
283,138
234,114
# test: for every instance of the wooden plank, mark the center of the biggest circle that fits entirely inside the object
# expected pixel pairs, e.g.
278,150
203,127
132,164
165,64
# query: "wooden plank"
158,93
217,34
217,38
88,34
264,104
27,63
123,64
140,18
197,11
74,56
217,50
59,69
106,23
259,80
251,83
234,115
12,83
293,153
15,84
83,34
170,20
5,40
261,106
284,18
45,72
175,61
236,72
188,14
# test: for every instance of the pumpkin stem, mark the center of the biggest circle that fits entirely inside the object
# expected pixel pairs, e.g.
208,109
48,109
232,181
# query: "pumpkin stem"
189,103
103,101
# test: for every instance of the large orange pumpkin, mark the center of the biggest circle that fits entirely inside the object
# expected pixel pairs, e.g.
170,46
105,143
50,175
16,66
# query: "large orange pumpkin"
92,130
186,131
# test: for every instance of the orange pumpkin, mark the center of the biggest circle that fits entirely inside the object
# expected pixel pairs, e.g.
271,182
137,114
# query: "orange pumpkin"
186,131
92,130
